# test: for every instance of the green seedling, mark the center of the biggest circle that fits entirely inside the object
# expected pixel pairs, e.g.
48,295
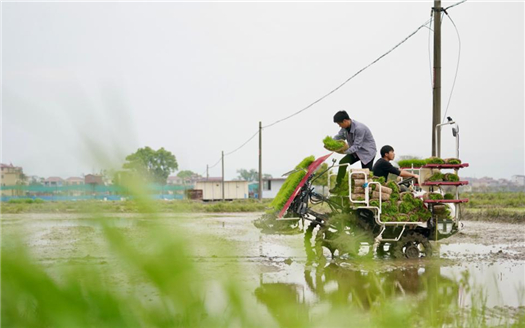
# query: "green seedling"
435,196
453,161
290,184
332,144
415,162
434,160
436,177
449,196
451,177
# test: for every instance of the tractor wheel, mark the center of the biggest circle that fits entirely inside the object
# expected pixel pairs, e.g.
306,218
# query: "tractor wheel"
314,241
381,250
322,243
348,238
411,246
310,252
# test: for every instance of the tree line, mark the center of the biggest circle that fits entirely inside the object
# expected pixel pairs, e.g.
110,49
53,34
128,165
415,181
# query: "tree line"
155,166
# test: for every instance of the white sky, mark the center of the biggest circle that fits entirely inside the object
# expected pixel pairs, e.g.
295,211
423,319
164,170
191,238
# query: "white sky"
85,84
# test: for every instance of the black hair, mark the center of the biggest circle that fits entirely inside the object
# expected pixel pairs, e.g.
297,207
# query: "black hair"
385,150
340,116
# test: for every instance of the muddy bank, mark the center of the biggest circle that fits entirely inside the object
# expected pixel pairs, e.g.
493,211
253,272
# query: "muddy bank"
501,215
489,240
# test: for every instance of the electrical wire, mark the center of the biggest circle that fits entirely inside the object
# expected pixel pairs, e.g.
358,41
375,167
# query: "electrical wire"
457,66
353,76
349,79
244,144
214,165
456,4
328,94
236,149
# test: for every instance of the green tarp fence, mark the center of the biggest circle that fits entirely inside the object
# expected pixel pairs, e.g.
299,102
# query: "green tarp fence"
92,188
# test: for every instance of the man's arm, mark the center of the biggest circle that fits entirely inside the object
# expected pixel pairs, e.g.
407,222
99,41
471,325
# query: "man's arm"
358,141
406,174
402,173
339,135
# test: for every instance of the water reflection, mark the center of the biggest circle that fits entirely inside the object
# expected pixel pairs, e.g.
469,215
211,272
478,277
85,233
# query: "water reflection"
361,289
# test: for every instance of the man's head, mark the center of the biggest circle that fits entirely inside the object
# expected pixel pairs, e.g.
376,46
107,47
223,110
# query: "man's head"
387,152
342,119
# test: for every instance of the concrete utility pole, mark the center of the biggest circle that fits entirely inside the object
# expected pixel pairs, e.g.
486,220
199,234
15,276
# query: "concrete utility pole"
260,161
436,103
222,159
207,172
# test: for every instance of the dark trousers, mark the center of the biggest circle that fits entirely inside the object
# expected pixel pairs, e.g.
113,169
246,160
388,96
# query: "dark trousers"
350,159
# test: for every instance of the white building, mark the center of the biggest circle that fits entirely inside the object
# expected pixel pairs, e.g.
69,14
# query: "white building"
518,180
271,187
212,189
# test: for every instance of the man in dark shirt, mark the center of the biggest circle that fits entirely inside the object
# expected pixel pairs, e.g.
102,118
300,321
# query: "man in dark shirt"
383,167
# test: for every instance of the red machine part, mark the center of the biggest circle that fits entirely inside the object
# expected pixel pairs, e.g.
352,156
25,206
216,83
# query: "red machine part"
311,170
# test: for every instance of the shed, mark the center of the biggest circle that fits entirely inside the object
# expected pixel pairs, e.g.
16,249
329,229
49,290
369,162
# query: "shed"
212,189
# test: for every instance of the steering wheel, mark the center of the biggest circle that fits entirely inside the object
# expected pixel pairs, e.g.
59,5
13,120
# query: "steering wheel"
405,182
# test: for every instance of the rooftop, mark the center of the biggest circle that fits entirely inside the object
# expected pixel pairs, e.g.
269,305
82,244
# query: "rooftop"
10,166
54,179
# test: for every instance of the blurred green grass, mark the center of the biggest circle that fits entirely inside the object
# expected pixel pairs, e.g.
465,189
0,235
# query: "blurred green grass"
84,295
495,199
133,206
506,207
75,293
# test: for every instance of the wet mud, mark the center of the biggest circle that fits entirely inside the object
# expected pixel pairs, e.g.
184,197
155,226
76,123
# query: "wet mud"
486,254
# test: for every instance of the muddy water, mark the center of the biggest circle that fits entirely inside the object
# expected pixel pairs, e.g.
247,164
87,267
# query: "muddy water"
488,255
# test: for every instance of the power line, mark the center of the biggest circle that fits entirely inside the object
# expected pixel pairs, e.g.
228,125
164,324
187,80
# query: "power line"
457,66
236,149
211,167
244,144
456,4
326,95
349,79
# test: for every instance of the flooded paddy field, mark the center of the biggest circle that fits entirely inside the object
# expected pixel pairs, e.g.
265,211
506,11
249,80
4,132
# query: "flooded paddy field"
485,262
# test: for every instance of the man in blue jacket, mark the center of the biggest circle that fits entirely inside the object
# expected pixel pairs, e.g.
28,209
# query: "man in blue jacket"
361,145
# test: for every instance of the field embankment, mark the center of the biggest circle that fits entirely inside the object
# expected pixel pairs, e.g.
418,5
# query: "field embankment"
501,207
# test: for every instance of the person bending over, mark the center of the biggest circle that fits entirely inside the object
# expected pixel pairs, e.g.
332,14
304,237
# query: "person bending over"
360,146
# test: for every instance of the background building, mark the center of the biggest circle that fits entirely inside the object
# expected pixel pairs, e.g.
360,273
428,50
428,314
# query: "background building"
74,181
54,182
212,189
11,176
272,186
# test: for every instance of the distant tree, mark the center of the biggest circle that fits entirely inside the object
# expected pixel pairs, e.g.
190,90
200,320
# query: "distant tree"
267,176
187,176
323,179
152,165
184,174
107,175
34,182
250,175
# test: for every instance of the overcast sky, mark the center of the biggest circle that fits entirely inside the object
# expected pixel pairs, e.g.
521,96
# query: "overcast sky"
85,84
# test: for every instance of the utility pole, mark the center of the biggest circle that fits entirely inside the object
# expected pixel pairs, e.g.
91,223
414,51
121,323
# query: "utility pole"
260,161
207,172
222,159
436,102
